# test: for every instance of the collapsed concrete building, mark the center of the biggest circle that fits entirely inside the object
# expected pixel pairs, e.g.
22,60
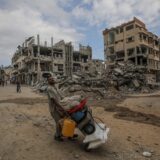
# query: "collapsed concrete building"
96,66
8,73
132,41
32,60
81,57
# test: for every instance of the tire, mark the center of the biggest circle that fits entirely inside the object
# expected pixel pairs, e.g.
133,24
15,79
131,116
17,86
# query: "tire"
86,147
89,128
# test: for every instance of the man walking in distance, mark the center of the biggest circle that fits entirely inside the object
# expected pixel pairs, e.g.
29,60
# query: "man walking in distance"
18,86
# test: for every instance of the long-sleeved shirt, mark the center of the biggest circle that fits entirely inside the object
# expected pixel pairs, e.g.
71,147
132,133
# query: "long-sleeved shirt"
66,102
54,93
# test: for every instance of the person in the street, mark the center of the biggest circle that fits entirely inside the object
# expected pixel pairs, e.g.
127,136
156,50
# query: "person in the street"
3,83
18,86
57,114
57,104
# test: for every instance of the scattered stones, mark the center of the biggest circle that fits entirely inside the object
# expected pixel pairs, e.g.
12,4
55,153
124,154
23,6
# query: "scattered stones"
129,138
147,154
76,156
21,117
37,124
136,83
75,88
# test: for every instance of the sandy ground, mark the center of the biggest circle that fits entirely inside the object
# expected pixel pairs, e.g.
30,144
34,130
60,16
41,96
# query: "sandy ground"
27,129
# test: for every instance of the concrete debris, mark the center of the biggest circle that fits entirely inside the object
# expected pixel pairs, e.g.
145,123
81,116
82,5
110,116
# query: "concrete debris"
118,71
121,79
127,77
21,118
147,154
75,88
136,83
76,156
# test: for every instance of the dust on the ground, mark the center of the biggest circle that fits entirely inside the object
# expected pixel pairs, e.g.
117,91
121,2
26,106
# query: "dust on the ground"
29,101
27,129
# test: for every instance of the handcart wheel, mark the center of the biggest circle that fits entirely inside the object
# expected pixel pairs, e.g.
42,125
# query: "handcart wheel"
86,147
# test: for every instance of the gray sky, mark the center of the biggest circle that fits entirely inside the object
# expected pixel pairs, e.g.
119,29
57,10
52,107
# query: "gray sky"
71,20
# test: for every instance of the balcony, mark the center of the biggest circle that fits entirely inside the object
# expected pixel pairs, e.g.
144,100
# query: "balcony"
156,47
131,55
141,30
152,56
23,68
45,58
144,42
120,55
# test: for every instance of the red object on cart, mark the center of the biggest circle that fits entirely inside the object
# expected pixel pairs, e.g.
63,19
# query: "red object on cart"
78,107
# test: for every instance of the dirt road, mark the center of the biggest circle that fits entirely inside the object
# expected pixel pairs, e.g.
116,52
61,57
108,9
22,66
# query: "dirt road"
27,129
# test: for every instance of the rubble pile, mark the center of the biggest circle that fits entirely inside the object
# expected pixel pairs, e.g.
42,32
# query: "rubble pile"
84,84
128,78
40,86
121,79
89,86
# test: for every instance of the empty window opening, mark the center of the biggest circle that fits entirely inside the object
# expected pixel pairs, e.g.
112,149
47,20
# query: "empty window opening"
111,50
111,38
130,39
120,54
141,61
129,27
130,52
121,29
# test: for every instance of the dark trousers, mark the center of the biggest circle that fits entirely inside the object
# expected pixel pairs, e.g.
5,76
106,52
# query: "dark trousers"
56,116
18,88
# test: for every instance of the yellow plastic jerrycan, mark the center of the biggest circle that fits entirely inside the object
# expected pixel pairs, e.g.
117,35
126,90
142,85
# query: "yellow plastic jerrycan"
68,127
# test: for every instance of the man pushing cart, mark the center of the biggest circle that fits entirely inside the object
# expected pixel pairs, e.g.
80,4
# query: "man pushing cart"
72,112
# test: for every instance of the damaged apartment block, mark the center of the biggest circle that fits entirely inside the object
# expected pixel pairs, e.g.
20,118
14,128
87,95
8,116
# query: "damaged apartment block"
131,41
81,58
32,60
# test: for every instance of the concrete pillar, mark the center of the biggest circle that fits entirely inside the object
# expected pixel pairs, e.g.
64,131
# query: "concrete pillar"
21,50
71,60
141,62
155,64
25,43
136,58
32,52
28,51
45,43
148,63
38,61
52,54
34,67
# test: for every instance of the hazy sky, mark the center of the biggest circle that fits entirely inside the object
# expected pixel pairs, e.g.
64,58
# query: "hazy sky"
79,21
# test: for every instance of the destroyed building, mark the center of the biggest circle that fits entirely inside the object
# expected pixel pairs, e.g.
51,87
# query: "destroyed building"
81,58
32,60
96,66
132,41
8,73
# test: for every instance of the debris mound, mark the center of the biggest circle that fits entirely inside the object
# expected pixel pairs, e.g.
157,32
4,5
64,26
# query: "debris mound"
118,80
129,78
